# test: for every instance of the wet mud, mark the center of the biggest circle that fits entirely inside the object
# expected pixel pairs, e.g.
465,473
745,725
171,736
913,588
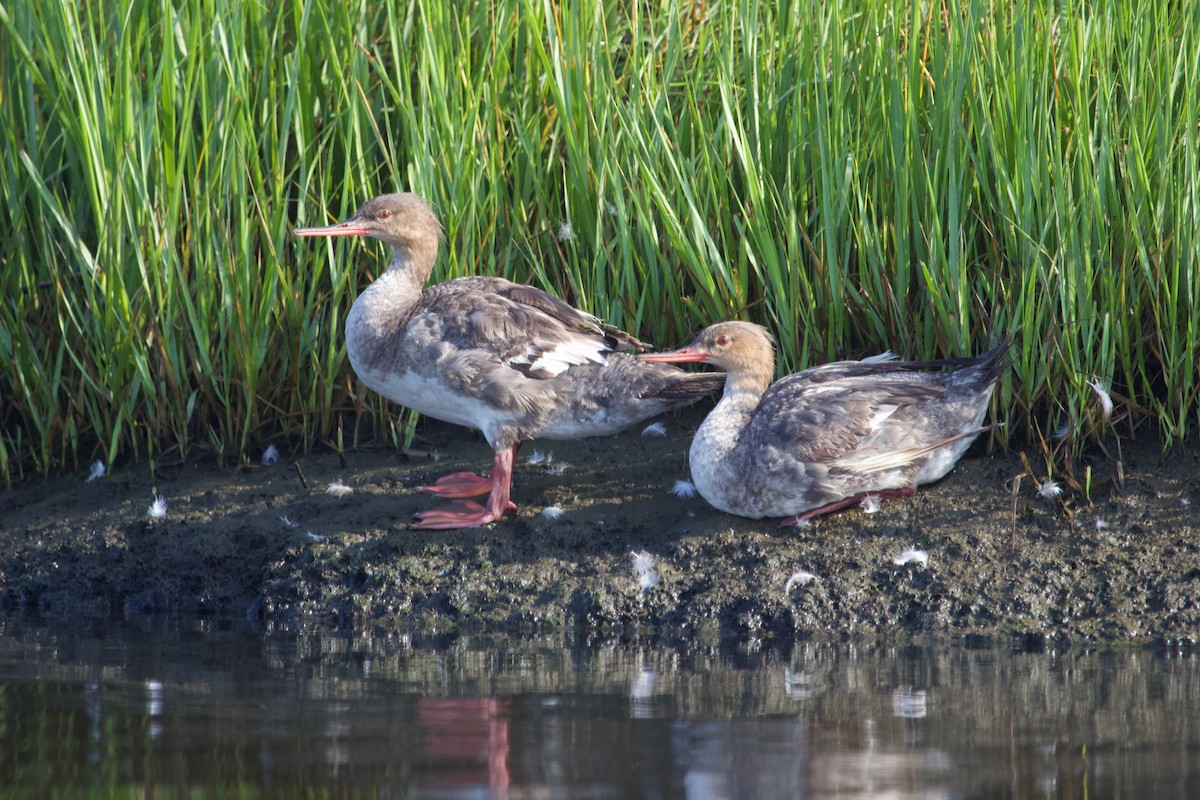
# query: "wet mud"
624,553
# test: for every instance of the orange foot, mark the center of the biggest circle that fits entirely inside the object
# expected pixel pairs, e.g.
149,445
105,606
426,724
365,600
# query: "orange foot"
459,484
463,514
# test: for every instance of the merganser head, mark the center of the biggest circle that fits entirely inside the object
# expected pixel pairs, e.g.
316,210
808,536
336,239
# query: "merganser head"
732,346
402,220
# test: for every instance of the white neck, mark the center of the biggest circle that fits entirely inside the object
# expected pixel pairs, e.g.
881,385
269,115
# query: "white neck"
720,431
382,307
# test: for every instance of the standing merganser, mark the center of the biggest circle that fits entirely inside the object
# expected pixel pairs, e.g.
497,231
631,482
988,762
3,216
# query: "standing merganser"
512,361
824,438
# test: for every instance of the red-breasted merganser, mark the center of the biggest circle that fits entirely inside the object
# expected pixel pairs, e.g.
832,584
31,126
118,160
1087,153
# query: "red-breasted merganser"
824,438
512,361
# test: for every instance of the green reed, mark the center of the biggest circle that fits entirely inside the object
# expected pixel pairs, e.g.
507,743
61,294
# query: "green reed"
857,176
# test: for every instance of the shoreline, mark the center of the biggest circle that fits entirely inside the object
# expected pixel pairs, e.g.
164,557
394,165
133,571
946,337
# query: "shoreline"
270,543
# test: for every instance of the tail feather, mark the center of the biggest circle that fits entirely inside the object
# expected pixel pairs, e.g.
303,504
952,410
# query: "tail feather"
990,365
996,361
993,362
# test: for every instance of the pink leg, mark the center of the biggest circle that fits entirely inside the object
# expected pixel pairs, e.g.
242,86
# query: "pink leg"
469,514
882,494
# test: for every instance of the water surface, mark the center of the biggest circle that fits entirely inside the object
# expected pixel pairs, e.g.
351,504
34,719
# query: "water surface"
204,708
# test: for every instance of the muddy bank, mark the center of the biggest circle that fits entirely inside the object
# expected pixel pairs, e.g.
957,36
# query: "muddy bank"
271,542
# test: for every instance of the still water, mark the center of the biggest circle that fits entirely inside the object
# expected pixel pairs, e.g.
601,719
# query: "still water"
210,709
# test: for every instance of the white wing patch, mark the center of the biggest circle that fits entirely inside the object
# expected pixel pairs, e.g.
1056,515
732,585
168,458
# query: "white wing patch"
563,355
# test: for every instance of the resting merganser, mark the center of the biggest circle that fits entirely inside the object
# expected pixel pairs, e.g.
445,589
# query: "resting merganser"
824,438
510,360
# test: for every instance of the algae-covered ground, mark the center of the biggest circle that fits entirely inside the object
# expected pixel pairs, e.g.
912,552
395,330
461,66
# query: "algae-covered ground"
271,541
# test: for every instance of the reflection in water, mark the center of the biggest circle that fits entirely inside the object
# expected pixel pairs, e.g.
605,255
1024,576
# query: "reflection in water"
464,746
233,712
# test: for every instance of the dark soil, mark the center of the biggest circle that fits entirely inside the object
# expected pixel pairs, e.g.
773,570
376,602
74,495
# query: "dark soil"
270,542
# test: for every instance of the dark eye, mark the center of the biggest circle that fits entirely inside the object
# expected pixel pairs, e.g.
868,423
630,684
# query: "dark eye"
383,213
722,340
